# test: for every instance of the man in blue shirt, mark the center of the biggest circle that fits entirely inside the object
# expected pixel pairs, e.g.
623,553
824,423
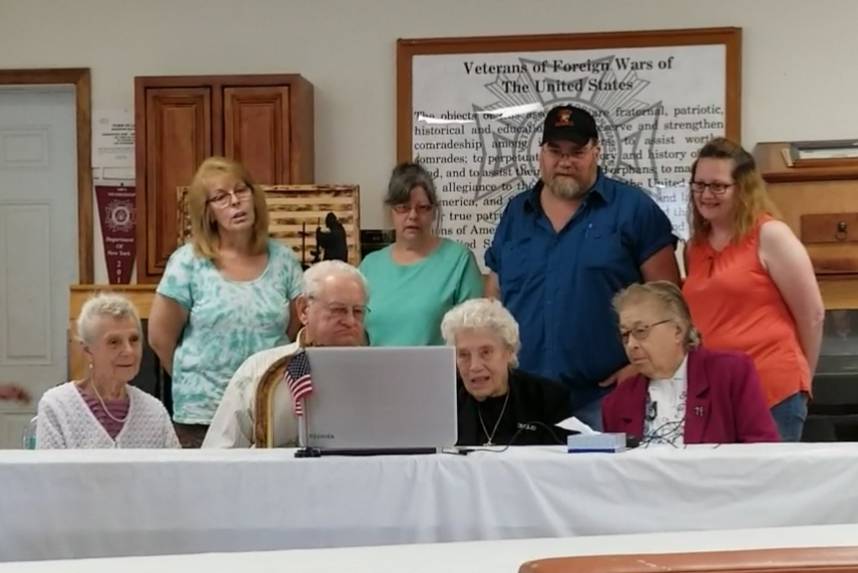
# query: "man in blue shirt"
563,249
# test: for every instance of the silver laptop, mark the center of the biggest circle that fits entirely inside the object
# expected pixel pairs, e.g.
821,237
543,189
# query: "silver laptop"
383,398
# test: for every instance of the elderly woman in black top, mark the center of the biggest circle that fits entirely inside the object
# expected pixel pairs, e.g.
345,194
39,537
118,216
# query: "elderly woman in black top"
498,404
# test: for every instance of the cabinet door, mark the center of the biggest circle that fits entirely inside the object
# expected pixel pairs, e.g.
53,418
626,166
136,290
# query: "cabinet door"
177,138
257,131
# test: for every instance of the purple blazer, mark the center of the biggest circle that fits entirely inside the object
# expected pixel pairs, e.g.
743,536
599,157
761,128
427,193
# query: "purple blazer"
725,402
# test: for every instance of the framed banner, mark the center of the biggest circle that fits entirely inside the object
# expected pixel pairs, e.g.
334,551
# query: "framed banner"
471,111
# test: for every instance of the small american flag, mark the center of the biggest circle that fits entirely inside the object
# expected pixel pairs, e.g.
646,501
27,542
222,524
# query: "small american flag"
298,379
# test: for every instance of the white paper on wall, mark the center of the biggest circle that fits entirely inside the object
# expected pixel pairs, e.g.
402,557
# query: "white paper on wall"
113,145
477,122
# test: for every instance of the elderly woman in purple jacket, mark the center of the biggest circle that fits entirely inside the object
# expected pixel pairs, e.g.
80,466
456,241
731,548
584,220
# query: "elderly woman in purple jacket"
683,394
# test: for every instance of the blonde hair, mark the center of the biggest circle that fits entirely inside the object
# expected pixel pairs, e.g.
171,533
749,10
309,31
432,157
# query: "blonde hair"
483,313
751,197
204,229
101,305
668,296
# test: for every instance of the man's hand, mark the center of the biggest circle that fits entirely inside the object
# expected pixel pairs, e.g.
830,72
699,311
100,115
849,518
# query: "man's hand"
13,392
623,373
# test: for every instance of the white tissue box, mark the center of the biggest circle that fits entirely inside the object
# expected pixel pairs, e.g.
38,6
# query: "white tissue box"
605,443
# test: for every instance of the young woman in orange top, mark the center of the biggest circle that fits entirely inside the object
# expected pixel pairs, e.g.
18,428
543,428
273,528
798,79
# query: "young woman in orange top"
750,285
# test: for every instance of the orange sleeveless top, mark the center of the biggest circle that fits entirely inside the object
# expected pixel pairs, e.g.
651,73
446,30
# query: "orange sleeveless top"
736,306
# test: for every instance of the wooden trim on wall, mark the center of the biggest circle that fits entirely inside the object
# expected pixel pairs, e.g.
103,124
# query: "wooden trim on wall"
406,49
80,79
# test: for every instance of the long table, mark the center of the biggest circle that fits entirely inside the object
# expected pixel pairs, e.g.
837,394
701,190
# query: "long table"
101,503
465,557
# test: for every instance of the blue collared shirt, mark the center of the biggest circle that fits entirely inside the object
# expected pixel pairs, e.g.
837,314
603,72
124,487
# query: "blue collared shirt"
559,285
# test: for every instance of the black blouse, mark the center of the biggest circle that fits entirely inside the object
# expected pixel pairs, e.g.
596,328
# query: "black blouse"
533,406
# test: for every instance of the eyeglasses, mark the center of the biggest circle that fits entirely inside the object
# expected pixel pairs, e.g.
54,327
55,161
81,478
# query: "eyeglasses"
222,198
556,153
640,332
716,187
341,311
404,209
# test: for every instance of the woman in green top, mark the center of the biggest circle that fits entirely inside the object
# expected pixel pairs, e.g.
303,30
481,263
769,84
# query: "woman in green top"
417,279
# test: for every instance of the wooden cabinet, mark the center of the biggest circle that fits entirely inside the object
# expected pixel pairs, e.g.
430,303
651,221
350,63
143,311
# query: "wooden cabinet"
820,203
264,121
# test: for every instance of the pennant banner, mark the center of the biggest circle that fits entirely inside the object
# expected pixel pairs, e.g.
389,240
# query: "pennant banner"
116,206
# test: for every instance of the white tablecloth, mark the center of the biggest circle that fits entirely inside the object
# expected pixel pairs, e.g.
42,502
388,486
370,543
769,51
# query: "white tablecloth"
471,557
63,504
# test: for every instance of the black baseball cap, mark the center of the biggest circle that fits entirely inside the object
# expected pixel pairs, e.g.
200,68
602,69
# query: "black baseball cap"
569,123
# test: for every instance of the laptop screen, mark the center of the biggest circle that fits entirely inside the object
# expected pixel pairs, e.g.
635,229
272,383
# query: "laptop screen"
382,397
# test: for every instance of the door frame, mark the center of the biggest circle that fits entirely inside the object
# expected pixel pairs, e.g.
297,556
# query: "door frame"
80,79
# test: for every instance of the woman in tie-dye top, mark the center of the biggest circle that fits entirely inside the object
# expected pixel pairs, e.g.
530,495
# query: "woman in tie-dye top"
225,295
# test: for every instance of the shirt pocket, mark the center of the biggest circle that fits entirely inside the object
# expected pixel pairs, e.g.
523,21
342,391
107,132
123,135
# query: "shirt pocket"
606,251
516,263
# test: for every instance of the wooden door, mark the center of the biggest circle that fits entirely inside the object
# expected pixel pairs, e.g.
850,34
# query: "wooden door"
176,136
38,243
256,131
268,126
265,121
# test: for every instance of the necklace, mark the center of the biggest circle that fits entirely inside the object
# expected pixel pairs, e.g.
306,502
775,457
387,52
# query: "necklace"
103,407
497,423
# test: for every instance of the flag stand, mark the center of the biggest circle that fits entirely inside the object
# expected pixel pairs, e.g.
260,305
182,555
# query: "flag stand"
302,426
304,451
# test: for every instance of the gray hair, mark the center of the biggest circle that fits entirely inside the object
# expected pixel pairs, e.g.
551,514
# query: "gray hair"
405,177
482,313
104,305
316,275
668,296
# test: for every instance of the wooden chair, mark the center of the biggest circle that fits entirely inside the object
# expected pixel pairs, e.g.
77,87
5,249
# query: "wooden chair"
263,407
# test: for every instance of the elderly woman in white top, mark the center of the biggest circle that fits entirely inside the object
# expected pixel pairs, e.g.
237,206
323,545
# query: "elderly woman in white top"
102,410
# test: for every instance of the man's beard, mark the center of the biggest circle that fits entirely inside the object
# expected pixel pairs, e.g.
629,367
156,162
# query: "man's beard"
566,188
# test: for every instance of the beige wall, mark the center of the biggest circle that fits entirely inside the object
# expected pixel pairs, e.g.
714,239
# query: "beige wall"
799,75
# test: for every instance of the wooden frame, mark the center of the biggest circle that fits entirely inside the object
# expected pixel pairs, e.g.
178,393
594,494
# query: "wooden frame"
408,48
471,111
79,78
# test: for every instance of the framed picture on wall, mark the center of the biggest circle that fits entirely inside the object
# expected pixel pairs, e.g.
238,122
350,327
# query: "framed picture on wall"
471,111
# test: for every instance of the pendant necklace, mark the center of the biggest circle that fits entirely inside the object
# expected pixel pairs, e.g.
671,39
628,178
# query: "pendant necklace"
497,423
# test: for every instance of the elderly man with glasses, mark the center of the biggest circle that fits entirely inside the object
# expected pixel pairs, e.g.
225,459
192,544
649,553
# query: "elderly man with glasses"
331,308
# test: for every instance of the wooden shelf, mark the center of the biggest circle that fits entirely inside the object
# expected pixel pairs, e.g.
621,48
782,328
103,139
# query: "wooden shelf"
816,190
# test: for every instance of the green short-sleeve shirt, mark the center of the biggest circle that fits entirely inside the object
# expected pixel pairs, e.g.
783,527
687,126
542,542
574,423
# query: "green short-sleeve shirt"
407,302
